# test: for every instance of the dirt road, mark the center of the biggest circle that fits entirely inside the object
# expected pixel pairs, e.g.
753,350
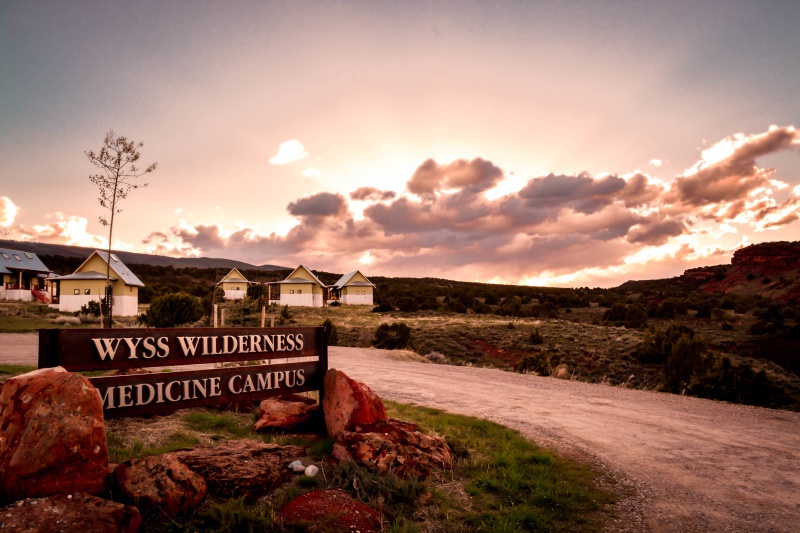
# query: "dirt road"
691,464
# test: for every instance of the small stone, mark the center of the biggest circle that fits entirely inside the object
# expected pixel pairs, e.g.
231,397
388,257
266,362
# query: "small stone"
312,471
299,468
293,464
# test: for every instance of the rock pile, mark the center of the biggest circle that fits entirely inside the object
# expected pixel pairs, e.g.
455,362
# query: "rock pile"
54,460
356,420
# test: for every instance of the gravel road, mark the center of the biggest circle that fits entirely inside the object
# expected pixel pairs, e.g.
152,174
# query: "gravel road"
690,464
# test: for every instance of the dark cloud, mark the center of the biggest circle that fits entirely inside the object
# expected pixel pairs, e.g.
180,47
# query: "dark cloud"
323,204
475,176
372,194
202,236
657,233
583,193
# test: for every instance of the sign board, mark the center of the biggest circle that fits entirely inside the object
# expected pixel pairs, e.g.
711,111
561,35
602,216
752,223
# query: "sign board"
164,392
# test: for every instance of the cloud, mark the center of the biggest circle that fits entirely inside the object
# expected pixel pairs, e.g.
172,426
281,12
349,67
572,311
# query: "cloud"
655,162
319,205
289,152
70,230
364,194
8,211
477,175
311,173
727,170
557,228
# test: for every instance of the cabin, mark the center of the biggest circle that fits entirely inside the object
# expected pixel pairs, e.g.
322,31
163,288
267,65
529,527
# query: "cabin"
88,283
302,288
234,284
353,289
23,276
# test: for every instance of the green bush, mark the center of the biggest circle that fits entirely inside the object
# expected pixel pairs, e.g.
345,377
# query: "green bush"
680,351
92,308
172,310
382,308
393,337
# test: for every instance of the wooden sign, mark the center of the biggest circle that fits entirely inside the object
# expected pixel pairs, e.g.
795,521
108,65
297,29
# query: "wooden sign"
164,392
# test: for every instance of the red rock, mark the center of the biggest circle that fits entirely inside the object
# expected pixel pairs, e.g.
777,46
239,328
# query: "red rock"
348,403
242,467
52,436
331,511
160,483
286,412
70,512
393,446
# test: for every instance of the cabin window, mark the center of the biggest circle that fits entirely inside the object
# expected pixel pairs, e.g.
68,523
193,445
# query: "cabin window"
77,292
29,256
6,256
291,291
87,291
299,291
114,257
18,258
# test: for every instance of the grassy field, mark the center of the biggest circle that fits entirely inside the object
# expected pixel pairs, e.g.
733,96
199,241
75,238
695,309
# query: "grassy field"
499,481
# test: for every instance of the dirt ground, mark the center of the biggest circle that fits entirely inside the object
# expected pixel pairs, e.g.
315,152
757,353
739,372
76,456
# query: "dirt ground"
685,464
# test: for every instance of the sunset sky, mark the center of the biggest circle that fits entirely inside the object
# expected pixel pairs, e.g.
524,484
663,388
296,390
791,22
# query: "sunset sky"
541,143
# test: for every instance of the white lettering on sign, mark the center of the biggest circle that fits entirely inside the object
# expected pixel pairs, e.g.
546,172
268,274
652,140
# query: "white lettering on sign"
149,347
191,389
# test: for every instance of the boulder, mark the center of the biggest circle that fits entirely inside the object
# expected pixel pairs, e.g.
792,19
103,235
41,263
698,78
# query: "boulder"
348,403
160,483
286,412
52,436
243,467
393,446
331,511
70,512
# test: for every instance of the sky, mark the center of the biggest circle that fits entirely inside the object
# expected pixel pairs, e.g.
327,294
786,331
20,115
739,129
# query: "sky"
571,144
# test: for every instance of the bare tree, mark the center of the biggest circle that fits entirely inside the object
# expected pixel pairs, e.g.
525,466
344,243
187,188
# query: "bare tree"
117,177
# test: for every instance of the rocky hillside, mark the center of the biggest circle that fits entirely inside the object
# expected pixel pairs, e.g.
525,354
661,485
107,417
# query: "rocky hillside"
770,269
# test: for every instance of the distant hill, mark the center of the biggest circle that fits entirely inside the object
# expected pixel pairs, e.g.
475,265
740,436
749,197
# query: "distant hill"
132,258
769,269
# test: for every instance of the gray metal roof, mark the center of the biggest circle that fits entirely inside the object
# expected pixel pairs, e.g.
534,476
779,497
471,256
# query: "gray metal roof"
344,279
295,281
117,266
15,260
85,276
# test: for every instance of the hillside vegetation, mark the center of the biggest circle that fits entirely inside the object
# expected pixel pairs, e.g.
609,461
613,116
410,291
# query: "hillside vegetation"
728,332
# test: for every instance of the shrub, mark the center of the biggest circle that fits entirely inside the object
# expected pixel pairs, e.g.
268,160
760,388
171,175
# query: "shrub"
330,332
91,308
382,308
703,310
679,350
71,320
635,317
536,337
407,304
393,337
616,313
285,313
172,310
335,303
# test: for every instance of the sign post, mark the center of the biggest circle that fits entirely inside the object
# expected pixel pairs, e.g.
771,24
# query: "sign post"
303,355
